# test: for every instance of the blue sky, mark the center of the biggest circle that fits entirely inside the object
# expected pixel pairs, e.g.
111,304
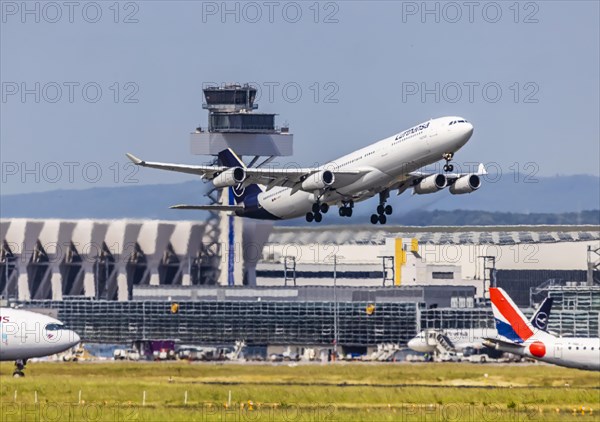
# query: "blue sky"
363,59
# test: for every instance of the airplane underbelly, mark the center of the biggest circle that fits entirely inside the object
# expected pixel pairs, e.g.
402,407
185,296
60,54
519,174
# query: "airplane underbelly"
371,180
289,205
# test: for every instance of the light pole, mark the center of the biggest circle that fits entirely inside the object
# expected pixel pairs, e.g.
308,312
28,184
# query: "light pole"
336,308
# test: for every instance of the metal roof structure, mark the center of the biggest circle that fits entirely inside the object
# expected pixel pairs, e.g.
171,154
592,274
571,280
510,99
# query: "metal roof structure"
459,235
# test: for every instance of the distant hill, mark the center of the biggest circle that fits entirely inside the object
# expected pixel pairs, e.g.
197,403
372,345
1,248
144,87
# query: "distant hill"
502,202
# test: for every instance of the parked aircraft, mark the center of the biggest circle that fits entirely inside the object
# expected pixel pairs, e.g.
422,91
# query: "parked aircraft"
25,335
517,335
457,339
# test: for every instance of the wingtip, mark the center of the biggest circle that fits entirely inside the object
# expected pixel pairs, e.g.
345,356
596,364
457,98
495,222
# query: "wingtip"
134,159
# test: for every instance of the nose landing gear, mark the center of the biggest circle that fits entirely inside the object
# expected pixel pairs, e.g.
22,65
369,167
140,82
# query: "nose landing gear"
19,368
448,157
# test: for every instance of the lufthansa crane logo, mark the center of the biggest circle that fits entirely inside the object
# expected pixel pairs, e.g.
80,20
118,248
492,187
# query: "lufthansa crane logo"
541,319
239,190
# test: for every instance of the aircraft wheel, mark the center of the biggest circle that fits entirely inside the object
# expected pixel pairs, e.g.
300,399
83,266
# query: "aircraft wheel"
374,218
309,217
318,217
342,212
450,167
388,210
382,219
324,208
349,212
316,207
446,168
380,209
18,374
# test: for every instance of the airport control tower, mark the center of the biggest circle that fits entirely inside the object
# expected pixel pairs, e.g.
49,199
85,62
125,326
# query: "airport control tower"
233,245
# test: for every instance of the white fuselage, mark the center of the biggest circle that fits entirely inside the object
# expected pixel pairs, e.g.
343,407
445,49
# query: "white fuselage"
25,335
572,352
462,339
383,164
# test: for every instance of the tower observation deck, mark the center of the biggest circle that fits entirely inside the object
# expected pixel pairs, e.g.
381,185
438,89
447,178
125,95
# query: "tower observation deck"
234,123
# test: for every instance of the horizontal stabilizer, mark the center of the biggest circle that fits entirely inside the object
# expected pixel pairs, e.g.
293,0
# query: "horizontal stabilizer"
500,344
208,207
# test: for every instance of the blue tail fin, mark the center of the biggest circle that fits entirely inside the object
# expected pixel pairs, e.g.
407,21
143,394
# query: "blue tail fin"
542,315
240,194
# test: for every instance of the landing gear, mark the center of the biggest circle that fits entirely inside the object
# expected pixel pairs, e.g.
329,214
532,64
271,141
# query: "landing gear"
19,367
318,210
448,157
346,209
382,209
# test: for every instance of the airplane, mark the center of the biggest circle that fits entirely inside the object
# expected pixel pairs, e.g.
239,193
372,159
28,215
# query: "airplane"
25,335
518,336
391,164
426,341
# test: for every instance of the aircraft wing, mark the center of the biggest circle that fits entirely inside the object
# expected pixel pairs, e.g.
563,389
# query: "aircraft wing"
450,176
203,171
500,344
215,207
271,177
413,178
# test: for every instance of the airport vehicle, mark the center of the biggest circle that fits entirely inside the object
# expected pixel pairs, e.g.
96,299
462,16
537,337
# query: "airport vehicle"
460,339
25,335
518,336
388,165
126,354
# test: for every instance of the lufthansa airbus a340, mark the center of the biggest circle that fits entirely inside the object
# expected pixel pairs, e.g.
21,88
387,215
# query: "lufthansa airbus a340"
389,165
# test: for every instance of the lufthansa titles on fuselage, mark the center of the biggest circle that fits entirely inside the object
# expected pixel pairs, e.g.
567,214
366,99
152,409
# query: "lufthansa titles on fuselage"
410,131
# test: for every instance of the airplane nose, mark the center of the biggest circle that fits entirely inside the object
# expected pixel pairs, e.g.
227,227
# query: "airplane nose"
74,338
468,129
413,344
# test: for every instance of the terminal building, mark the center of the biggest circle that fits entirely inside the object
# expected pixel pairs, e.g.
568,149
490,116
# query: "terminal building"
124,280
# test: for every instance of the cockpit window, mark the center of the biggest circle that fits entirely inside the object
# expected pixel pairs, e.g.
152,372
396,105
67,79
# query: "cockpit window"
55,327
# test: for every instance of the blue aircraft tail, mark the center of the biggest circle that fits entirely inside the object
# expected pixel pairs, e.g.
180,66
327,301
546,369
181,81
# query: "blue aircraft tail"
240,194
542,315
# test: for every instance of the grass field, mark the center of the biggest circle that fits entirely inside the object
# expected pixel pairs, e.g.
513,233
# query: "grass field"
339,392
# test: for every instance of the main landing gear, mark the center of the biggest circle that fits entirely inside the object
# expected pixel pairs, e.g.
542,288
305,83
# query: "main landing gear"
382,209
318,210
448,157
19,368
346,209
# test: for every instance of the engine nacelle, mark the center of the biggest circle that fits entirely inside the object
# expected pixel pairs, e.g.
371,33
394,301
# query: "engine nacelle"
431,184
466,184
319,180
230,177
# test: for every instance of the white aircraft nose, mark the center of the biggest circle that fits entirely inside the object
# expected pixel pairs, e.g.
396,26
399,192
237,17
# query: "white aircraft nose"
74,338
416,344
468,129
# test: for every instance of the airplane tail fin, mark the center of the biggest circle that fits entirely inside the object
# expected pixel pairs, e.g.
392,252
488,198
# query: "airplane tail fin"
228,158
510,321
542,315
243,192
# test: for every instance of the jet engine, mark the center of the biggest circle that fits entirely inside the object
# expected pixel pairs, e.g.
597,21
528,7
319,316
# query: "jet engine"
466,184
230,177
431,184
318,180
